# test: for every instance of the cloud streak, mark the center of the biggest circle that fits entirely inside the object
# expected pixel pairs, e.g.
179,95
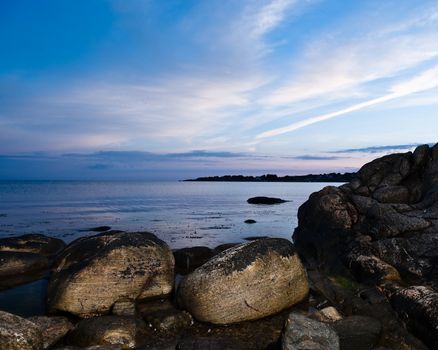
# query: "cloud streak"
425,81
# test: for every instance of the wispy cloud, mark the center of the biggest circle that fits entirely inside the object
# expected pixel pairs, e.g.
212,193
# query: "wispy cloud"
381,149
425,81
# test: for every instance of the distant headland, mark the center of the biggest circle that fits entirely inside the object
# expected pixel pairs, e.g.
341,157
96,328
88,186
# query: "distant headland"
331,177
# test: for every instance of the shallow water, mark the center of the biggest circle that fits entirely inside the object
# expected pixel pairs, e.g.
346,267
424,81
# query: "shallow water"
181,213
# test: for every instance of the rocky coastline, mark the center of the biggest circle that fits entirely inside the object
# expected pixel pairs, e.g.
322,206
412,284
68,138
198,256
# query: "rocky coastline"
362,273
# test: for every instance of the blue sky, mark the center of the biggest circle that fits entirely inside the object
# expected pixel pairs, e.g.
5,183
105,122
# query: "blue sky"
174,89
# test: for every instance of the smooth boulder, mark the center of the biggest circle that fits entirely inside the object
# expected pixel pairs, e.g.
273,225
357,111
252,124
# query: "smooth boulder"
303,333
246,282
17,333
94,273
33,243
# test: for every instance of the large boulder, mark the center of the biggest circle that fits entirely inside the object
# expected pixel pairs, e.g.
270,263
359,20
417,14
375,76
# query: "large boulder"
17,333
246,282
380,228
94,273
26,258
303,333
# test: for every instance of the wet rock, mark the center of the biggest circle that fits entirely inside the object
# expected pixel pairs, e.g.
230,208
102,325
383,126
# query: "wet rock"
33,243
164,318
247,282
208,343
13,263
418,307
94,273
303,333
53,328
188,259
328,315
250,221
369,267
125,332
265,200
17,333
358,332
220,248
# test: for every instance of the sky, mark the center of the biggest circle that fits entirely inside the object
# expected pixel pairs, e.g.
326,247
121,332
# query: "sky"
152,89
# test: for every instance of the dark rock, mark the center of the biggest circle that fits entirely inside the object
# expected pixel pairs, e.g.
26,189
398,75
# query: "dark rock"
13,263
254,238
17,333
303,333
100,229
247,282
265,200
220,248
208,343
126,332
94,273
418,307
53,328
33,243
358,332
188,259
250,221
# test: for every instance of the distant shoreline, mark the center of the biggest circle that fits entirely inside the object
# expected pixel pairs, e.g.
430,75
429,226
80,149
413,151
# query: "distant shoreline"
331,177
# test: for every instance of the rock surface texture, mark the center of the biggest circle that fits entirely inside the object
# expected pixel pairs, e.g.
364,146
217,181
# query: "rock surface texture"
94,273
246,282
17,333
381,228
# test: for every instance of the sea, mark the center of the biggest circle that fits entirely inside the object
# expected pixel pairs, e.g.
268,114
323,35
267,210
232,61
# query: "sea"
183,214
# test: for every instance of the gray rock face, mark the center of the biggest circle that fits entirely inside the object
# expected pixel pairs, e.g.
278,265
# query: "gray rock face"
53,328
247,282
358,332
94,273
17,333
125,332
418,306
303,333
394,203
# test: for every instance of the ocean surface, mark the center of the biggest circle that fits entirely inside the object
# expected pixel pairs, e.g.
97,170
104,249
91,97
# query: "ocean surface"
183,214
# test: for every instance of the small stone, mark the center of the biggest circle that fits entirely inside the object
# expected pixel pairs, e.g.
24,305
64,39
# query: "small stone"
328,314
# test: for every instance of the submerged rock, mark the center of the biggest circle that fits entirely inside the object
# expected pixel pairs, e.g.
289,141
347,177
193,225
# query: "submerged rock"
126,332
53,328
303,333
94,273
265,200
17,333
247,282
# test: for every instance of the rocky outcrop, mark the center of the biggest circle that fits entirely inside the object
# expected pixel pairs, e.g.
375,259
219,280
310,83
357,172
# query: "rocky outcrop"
17,333
94,273
265,200
303,333
25,258
382,227
247,282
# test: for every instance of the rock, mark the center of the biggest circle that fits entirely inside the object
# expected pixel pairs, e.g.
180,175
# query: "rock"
247,282
94,273
17,333
188,259
358,332
418,307
265,200
13,263
53,328
126,332
254,238
250,221
303,333
369,267
391,194
328,315
124,307
220,248
164,318
33,243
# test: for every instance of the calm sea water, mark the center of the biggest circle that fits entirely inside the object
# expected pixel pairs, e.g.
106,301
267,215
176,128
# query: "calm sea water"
181,213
